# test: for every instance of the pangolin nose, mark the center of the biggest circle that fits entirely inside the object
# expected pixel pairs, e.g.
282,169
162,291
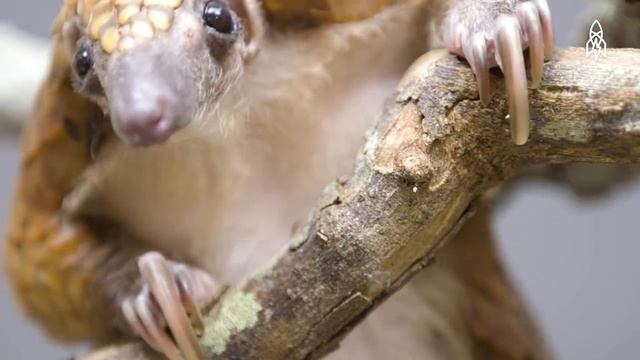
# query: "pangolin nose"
148,122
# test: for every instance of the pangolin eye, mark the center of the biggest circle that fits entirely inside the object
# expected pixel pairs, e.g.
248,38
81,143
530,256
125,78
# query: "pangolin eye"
217,16
83,61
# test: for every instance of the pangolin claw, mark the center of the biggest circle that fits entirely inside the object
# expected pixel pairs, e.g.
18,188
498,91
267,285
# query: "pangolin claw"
501,42
169,300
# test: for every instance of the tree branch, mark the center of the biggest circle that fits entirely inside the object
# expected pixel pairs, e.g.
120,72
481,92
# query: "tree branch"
434,150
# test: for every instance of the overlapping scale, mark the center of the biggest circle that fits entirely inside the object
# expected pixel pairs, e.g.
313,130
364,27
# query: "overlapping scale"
121,24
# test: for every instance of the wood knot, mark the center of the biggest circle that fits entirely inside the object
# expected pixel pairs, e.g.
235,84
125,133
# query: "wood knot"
401,149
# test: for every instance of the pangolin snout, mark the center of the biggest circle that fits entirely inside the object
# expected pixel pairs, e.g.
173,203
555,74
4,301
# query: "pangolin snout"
149,122
151,96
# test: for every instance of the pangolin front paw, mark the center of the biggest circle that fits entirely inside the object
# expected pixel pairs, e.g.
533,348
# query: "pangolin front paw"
170,299
489,34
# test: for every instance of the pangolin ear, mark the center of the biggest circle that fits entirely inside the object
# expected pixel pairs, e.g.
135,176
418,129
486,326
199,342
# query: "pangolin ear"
251,12
66,26
70,35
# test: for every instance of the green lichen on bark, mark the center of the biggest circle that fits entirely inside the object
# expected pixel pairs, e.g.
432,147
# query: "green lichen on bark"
238,312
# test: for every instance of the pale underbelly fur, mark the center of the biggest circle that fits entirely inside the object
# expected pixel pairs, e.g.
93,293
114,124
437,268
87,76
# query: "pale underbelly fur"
234,200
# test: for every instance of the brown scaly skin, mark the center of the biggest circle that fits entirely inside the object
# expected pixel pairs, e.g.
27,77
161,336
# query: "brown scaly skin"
51,263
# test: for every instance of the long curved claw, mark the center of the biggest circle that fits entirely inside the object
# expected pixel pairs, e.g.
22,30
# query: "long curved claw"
156,272
153,328
186,287
511,61
156,338
547,27
476,55
528,14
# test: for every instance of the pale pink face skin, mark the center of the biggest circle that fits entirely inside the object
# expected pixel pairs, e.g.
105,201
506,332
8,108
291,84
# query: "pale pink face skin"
158,86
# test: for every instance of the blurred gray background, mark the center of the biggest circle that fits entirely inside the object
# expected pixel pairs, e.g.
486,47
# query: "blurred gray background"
576,261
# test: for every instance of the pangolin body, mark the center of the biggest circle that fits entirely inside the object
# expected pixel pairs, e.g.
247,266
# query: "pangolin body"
92,214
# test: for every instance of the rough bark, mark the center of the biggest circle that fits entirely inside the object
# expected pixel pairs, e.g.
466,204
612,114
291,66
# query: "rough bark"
433,151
